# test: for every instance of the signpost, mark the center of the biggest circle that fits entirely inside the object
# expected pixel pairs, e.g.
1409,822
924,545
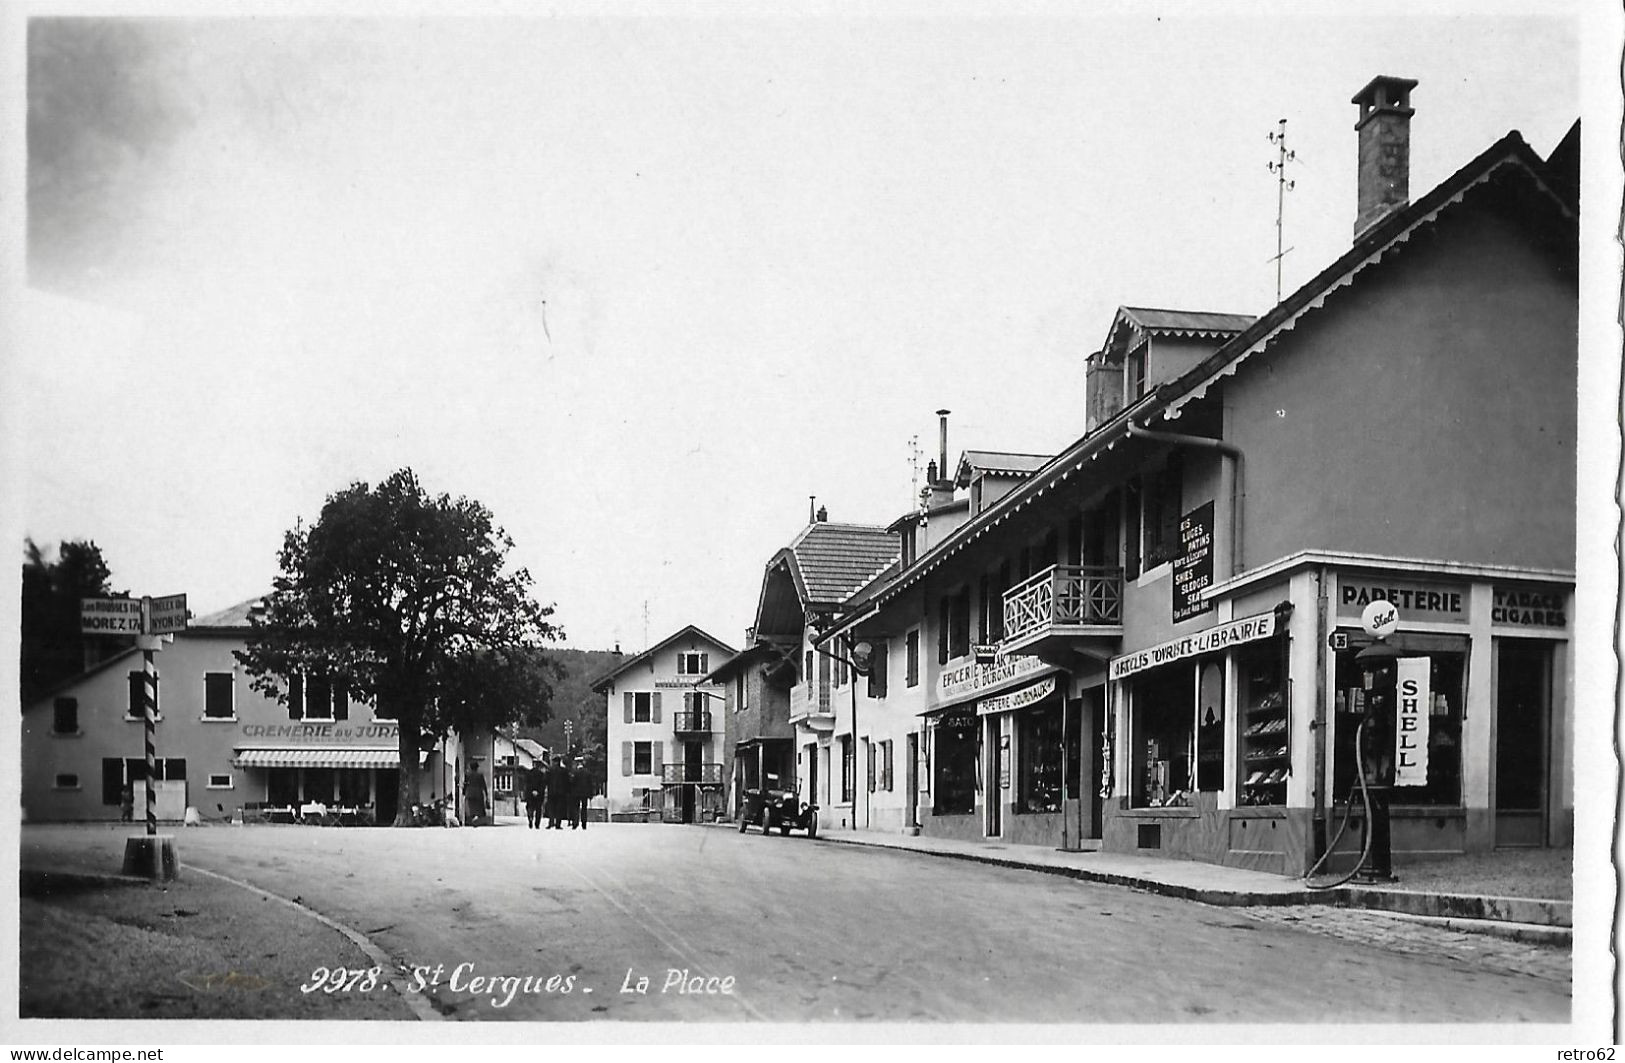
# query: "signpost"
148,619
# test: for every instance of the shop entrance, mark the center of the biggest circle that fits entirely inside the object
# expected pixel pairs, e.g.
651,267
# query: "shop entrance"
993,789
1523,711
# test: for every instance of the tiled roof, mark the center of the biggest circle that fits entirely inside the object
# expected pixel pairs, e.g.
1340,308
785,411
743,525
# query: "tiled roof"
833,560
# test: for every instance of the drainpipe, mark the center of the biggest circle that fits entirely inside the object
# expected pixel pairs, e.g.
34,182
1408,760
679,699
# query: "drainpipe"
1238,494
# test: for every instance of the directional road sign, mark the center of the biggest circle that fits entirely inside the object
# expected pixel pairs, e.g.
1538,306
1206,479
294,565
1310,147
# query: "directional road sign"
110,616
167,614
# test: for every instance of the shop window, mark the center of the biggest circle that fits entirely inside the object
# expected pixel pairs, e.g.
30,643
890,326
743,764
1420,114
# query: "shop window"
217,696
282,786
65,716
642,758
137,709
1039,759
355,786
953,766
911,665
1447,677
319,784
1266,738
848,769
1164,737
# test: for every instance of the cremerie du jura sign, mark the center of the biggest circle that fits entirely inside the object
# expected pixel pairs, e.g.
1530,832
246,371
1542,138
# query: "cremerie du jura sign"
133,616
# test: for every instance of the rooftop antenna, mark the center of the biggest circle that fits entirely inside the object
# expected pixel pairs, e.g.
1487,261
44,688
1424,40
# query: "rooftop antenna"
914,465
646,623
1282,187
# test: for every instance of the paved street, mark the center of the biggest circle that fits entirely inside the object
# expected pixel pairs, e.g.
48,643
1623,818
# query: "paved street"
811,931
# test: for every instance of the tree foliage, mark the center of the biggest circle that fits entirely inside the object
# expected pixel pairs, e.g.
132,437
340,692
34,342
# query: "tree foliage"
408,599
53,649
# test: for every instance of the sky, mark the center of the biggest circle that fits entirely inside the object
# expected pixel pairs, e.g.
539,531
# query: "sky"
643,283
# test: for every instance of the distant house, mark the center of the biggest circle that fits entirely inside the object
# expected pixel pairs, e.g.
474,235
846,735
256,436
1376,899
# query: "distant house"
222,747
668,750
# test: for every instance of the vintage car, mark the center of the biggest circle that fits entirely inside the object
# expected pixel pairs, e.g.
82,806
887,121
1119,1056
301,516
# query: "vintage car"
783,809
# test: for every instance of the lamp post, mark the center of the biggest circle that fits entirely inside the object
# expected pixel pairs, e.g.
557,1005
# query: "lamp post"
860,658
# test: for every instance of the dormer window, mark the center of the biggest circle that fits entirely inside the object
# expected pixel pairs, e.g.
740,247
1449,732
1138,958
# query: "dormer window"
1134,373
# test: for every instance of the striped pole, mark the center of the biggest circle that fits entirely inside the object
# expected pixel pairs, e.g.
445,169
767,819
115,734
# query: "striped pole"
149,672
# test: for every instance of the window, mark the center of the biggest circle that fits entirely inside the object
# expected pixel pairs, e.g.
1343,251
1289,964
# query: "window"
694,701
1160,499
217,696
692,664
642,708
1039,759
67,781
65,716
220,782
807,669
117,773
871,754
959,631
642,758
877,670
1167,745
741,699
1134,373
886,765
911,674
296,697
138,703
848,769
953,765
1446,678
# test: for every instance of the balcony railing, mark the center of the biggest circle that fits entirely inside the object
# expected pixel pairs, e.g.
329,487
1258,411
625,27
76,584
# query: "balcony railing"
1064,596
811,705
690,773
691,721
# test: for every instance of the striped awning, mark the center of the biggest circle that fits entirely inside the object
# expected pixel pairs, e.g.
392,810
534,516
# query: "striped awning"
317,758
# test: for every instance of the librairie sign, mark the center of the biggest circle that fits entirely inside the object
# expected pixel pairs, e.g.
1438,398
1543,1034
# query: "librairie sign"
1248,629
133,616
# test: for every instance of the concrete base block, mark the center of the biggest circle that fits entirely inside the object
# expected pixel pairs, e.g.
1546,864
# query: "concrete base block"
151,856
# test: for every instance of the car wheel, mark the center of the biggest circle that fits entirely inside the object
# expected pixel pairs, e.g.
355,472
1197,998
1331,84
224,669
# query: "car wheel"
744,821
812,827
767,821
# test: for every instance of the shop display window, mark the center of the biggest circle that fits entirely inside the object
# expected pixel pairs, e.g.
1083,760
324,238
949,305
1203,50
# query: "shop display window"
1163,708
953,779
1039,749
1447,678
1266,735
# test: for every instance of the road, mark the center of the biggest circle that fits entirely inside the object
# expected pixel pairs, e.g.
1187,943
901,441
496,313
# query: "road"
673,923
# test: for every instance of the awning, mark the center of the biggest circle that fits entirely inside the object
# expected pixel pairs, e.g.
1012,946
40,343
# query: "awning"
317,758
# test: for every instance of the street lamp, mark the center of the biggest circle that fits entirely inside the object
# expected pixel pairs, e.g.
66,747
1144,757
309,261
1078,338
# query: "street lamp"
861,659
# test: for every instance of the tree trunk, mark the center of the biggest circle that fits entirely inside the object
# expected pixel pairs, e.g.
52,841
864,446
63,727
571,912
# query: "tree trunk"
409,714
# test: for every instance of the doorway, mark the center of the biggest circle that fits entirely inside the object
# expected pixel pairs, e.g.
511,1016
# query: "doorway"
1523,714
693,769
911,780
994,773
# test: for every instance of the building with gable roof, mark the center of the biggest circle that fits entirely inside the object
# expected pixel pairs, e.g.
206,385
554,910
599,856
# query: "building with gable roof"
1170,608
668,749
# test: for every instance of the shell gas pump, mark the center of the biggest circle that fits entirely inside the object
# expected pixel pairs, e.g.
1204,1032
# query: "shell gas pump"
1374,745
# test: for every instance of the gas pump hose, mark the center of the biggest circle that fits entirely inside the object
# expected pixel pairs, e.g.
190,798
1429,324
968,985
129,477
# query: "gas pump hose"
1348,809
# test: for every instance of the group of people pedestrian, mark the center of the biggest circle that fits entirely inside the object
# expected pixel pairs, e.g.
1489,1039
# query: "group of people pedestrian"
561,792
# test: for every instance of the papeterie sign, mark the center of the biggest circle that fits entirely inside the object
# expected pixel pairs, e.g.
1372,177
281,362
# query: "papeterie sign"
1234,633
1415,601
1017,699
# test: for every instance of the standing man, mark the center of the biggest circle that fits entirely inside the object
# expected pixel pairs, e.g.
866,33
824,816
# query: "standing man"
558,793
581,789
533,798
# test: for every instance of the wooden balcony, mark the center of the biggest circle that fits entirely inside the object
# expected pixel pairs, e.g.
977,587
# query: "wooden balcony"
692,722
1063,604
680,774
810,706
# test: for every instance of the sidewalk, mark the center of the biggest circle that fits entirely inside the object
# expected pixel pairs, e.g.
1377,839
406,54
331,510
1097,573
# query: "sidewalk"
1523,918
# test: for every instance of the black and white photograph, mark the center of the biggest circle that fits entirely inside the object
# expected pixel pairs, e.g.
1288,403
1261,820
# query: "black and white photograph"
660,524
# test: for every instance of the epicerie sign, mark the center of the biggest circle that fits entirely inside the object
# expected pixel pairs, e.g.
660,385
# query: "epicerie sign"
974,678
1249,629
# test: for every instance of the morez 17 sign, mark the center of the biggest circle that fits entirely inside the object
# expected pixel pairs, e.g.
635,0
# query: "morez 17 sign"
1193,566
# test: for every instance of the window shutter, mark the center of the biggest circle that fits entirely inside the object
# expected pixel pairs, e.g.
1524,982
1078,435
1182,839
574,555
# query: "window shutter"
654,707
627,701
626,756
877,671
296,697
341,701
870,750
657,752
944,620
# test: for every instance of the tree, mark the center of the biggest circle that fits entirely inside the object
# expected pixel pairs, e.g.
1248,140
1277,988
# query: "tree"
53,649
407,599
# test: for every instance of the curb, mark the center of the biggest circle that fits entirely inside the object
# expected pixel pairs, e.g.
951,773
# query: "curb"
1517,918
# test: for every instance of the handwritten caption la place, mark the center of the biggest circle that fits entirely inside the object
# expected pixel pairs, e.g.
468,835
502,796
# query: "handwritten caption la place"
502,990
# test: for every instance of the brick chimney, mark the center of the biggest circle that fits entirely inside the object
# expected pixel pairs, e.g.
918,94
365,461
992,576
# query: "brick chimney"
1384,130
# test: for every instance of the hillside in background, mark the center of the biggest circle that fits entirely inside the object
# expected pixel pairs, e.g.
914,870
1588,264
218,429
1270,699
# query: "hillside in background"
574,700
